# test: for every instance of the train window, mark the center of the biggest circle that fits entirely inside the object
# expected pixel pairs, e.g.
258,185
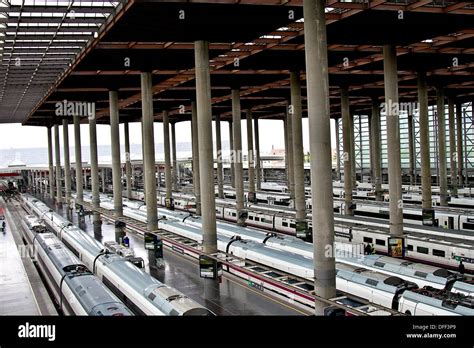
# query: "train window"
250,217
368,240
422,250
410,247
285,224
379,242
371,282
257,219
234,214
421,274
468,226
439,253
293,225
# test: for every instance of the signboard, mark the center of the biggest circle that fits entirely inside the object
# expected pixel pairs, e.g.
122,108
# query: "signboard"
396,247
150,241
428,217
169,203
252,197
209,267
301,229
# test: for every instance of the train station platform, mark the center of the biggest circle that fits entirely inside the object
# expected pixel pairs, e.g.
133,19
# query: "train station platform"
230,297
21,289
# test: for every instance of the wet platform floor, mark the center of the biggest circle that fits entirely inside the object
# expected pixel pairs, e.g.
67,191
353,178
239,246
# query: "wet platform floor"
16,294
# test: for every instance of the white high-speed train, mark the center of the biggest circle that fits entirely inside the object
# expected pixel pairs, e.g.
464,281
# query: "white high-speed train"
383,289
142,293
75,289
439,247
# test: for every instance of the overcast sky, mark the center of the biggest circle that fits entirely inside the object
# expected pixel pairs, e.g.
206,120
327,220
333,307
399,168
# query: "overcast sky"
14,136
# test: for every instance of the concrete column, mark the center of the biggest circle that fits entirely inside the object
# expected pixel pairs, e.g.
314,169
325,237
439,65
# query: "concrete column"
86,186
206,155
102,174
424,142
411,149
239,177
347,131
149,151
393,140
59,198
32,180
443,176
231,145
291,165
78,155
40,179
320,147
67,163
174,158
220,173
94,172
116,163
257,154
338,155
376,152
452,148
297,146
196,160
166,140
128,165
352,152
50,163
460,157
250,153
285,136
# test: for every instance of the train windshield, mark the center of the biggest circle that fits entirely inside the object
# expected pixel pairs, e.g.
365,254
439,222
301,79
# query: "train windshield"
443,273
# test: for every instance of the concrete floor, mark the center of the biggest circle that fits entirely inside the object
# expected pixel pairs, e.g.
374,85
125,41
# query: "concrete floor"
16,293
230,297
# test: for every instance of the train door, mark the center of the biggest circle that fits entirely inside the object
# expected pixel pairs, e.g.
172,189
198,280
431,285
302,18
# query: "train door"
451,222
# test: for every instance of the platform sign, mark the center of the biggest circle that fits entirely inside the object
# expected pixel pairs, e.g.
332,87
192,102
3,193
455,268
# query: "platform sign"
169,203
209,267
396,247
252,197
150,241
154,243
428,217
301,229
